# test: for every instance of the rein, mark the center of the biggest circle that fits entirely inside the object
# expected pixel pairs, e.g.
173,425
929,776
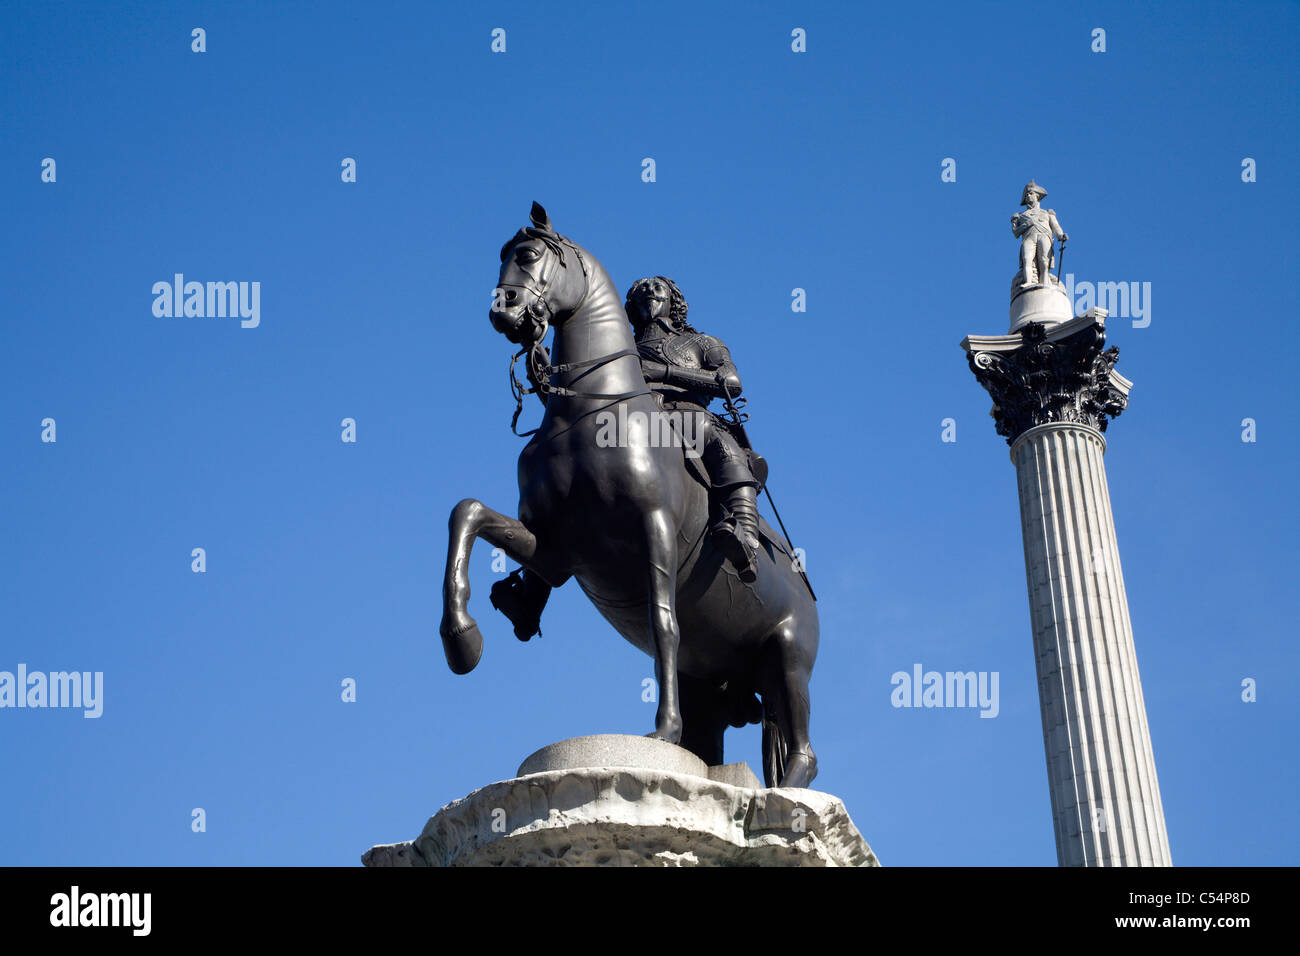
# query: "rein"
541,372
555,243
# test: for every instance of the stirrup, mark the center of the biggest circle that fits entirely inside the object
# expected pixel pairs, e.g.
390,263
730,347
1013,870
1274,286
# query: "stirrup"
727,539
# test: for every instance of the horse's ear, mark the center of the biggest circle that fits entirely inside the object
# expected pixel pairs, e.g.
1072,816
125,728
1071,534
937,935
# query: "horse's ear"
540,219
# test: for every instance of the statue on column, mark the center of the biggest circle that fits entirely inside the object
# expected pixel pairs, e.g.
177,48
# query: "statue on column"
1036,227
1037,296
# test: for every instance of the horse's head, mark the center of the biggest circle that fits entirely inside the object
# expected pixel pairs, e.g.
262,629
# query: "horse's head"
543,280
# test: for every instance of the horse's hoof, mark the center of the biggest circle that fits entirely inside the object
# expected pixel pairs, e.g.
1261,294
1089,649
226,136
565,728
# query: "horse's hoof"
671,734
800,771
668,738
463,645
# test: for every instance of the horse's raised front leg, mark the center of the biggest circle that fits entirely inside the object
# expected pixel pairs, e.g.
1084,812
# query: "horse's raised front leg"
661,538
461,639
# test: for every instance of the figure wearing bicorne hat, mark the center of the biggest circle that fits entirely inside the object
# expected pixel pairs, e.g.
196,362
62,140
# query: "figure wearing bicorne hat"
1035,227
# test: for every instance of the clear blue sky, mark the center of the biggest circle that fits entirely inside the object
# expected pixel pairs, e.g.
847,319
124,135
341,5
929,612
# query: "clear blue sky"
775,170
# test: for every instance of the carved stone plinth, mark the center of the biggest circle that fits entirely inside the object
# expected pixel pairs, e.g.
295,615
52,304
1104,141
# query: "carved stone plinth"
1053,391
680,813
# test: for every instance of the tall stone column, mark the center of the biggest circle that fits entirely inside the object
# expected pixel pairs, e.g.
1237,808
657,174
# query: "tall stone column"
1053,390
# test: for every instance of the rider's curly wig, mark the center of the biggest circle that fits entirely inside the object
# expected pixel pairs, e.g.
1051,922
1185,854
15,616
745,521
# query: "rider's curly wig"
676,302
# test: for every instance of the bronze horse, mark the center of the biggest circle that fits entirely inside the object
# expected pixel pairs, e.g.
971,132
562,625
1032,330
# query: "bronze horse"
629,521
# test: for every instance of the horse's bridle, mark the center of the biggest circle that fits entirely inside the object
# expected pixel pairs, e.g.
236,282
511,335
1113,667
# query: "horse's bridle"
556,243
540,371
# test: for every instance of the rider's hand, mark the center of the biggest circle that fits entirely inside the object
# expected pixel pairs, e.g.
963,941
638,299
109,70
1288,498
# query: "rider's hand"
1065,237
654,371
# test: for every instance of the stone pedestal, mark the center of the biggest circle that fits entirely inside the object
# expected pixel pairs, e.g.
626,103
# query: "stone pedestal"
613,800
1054,389
1046,303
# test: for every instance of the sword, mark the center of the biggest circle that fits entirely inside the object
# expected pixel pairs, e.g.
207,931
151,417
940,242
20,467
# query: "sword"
1060,261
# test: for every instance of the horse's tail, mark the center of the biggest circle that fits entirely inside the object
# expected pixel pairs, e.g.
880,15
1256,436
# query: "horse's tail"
776,748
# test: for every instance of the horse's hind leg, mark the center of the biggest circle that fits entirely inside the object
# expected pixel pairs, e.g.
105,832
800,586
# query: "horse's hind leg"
786,680
661,547
704,719
461,639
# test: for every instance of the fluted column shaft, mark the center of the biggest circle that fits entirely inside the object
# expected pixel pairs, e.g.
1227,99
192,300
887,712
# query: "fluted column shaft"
1101,770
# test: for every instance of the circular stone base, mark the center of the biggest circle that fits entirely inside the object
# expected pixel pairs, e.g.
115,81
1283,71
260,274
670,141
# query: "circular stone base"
1047,304
614,750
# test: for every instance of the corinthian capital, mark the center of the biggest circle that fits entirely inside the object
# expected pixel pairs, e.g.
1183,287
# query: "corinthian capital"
1044,374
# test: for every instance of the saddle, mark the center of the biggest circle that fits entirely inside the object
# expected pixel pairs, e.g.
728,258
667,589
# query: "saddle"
757,467
756,462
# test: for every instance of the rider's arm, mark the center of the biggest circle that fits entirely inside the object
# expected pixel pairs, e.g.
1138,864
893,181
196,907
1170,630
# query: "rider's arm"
696,379
718,377
653,371
717,358
1056,226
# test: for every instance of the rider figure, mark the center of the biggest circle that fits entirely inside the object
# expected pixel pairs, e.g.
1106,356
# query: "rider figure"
687,370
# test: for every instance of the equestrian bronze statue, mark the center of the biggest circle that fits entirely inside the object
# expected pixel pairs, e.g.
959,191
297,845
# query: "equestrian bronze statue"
688,572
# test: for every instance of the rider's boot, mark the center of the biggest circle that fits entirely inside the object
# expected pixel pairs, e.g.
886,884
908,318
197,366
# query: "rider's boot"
736,535
521,597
